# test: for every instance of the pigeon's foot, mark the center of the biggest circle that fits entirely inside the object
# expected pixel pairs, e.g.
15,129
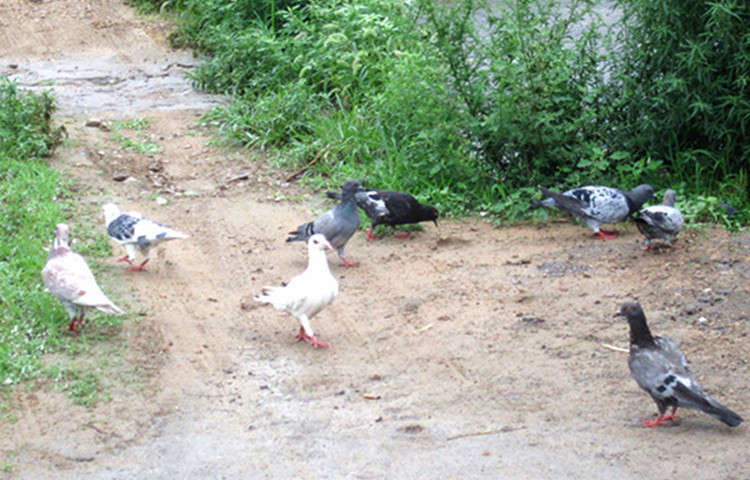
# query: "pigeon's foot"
124,259
140,268
302,336
674,247
347,263
402,234
662,421
75,322
648,248
604,235
370,236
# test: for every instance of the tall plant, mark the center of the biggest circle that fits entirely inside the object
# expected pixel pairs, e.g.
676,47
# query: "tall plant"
682,87
529,86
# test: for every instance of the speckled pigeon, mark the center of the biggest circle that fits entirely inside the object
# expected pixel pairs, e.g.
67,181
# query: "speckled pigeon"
136,232
660,221
68,278
596,204
391,208
337,224
661,369
308,293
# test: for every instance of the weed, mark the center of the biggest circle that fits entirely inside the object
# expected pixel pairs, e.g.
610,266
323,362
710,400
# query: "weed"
83,387
130,124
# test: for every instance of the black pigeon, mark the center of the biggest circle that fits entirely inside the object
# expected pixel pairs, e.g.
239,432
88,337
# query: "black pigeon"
661,369
385,207
337,224
660,221
596,204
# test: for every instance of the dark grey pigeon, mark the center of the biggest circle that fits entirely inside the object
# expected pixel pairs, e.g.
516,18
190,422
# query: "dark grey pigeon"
385,207
661,369
337,224
596,204
660,221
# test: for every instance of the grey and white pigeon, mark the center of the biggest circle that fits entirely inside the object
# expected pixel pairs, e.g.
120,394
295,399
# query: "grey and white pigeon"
68,278
308,293
660,221
661,369
136,232
596,204
391,208
337,224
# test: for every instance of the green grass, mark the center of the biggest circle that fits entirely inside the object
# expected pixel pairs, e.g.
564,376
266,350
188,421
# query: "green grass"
144,146
141,142
81,386
33,199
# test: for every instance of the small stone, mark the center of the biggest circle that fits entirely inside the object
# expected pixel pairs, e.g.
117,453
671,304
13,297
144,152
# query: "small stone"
161,200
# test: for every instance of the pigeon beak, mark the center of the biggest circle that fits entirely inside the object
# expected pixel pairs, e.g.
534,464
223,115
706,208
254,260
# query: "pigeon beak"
617,314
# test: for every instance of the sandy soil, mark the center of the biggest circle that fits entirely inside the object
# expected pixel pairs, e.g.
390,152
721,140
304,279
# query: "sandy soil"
466,352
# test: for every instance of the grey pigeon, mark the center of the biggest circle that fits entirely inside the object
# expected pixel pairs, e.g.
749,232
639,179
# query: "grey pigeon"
596,204
391,208
136,232
660,221
337,224
661,369
308,293
68,278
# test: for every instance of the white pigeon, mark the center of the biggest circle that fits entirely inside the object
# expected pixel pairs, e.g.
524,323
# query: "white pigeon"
660,221
308,293
68,278
136,232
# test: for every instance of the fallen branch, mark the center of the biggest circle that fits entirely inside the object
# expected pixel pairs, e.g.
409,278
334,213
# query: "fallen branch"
486,432
614,349
306,167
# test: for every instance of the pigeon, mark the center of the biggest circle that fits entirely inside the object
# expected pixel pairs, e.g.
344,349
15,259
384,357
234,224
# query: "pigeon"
68,278
136,232
308,293
391,208
596,205
660,221
337,224
661,369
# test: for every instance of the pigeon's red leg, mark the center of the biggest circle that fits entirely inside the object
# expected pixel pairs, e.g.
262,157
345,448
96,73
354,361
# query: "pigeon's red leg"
302,336
604,235
317,343
648,248
347,263
674,247
370,236
662,419
76,322
124,259
402,234
141,267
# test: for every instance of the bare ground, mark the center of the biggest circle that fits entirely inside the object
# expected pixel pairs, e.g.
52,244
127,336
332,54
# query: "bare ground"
466,352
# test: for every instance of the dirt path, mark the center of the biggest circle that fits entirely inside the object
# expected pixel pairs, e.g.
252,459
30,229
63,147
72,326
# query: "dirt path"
482,347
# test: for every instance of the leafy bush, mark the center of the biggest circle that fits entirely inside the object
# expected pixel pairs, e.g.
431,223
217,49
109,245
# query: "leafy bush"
471,105
682,91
